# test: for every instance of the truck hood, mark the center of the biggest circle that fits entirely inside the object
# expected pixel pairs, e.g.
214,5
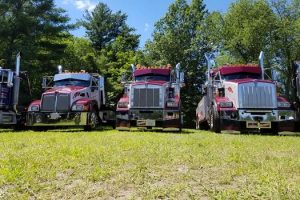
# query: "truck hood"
64,89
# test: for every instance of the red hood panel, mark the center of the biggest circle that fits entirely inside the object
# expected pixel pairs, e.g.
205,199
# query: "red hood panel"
65,89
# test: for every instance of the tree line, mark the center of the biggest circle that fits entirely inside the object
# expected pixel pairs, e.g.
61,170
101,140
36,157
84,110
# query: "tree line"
41,31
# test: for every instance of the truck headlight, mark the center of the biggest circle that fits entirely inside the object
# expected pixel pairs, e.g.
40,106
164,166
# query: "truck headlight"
123,104
283,105
78,107
172,104
34,108
226,104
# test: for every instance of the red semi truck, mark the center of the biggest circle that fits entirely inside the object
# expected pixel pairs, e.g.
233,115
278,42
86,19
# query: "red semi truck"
237,97
70,99
152,99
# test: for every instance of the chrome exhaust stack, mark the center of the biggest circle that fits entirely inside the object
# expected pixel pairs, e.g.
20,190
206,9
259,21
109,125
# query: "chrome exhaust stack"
16,84
261,64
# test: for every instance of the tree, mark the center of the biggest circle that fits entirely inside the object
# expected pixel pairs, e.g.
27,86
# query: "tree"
103,27
287,40
249,29
36,28
176,38
115,44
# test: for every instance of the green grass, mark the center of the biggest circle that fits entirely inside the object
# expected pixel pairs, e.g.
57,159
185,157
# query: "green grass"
148,165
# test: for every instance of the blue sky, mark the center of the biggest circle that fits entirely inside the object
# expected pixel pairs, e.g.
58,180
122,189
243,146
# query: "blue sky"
142,14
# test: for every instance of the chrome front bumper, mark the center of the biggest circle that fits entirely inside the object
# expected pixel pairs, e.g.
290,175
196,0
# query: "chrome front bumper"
57,119
163,119
266,115
8,118
259,119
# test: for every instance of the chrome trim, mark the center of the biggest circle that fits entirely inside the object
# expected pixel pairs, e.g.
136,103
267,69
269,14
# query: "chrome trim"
65,119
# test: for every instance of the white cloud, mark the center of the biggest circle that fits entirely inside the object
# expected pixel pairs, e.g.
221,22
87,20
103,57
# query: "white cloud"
85,5
81,4
146,27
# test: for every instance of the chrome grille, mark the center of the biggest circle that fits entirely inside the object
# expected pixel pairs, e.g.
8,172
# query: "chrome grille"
63,102
48,103
51,104
146,97
257,95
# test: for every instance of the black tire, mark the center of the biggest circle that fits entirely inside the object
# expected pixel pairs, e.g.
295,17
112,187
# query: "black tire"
215,121
197,125
180,122
275,128
93,120
204,126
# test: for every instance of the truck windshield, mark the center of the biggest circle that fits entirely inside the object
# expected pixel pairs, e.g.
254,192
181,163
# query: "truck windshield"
241,76
152,78
72,82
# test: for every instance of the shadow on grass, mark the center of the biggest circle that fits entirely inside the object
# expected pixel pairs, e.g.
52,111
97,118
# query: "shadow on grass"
294,134
136,130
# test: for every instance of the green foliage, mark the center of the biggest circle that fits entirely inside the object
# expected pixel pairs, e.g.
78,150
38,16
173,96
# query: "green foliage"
178,38
251,26
37,29
114,44
103,27
248,29
286,41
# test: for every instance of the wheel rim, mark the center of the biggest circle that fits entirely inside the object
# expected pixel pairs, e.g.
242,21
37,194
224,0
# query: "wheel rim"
211,119
93,120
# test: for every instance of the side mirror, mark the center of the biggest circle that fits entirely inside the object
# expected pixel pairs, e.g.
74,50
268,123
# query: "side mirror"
181,77
10,79
274,75
204,90
101,82
47,81
44,83
123,79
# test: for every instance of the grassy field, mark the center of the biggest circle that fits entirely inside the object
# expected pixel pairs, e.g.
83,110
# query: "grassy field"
148,165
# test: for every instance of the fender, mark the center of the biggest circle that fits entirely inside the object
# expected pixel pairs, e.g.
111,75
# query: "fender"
88,103
35,103
219,100
283,100
123,100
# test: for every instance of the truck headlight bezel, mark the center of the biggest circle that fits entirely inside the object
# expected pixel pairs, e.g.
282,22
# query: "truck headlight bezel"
227,104
34,108
123,104
78,107
172,104
283,105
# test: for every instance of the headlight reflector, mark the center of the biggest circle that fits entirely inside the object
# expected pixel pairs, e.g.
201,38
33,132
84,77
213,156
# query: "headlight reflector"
78,107
123,104
35,108
283,104
228,104
172,104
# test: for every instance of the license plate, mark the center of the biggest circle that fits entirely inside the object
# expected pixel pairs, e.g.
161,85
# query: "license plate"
145,122
261,125
54,116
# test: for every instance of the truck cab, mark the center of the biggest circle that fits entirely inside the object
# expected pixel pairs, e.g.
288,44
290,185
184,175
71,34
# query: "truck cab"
10,116
237,97
69,99
151,100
